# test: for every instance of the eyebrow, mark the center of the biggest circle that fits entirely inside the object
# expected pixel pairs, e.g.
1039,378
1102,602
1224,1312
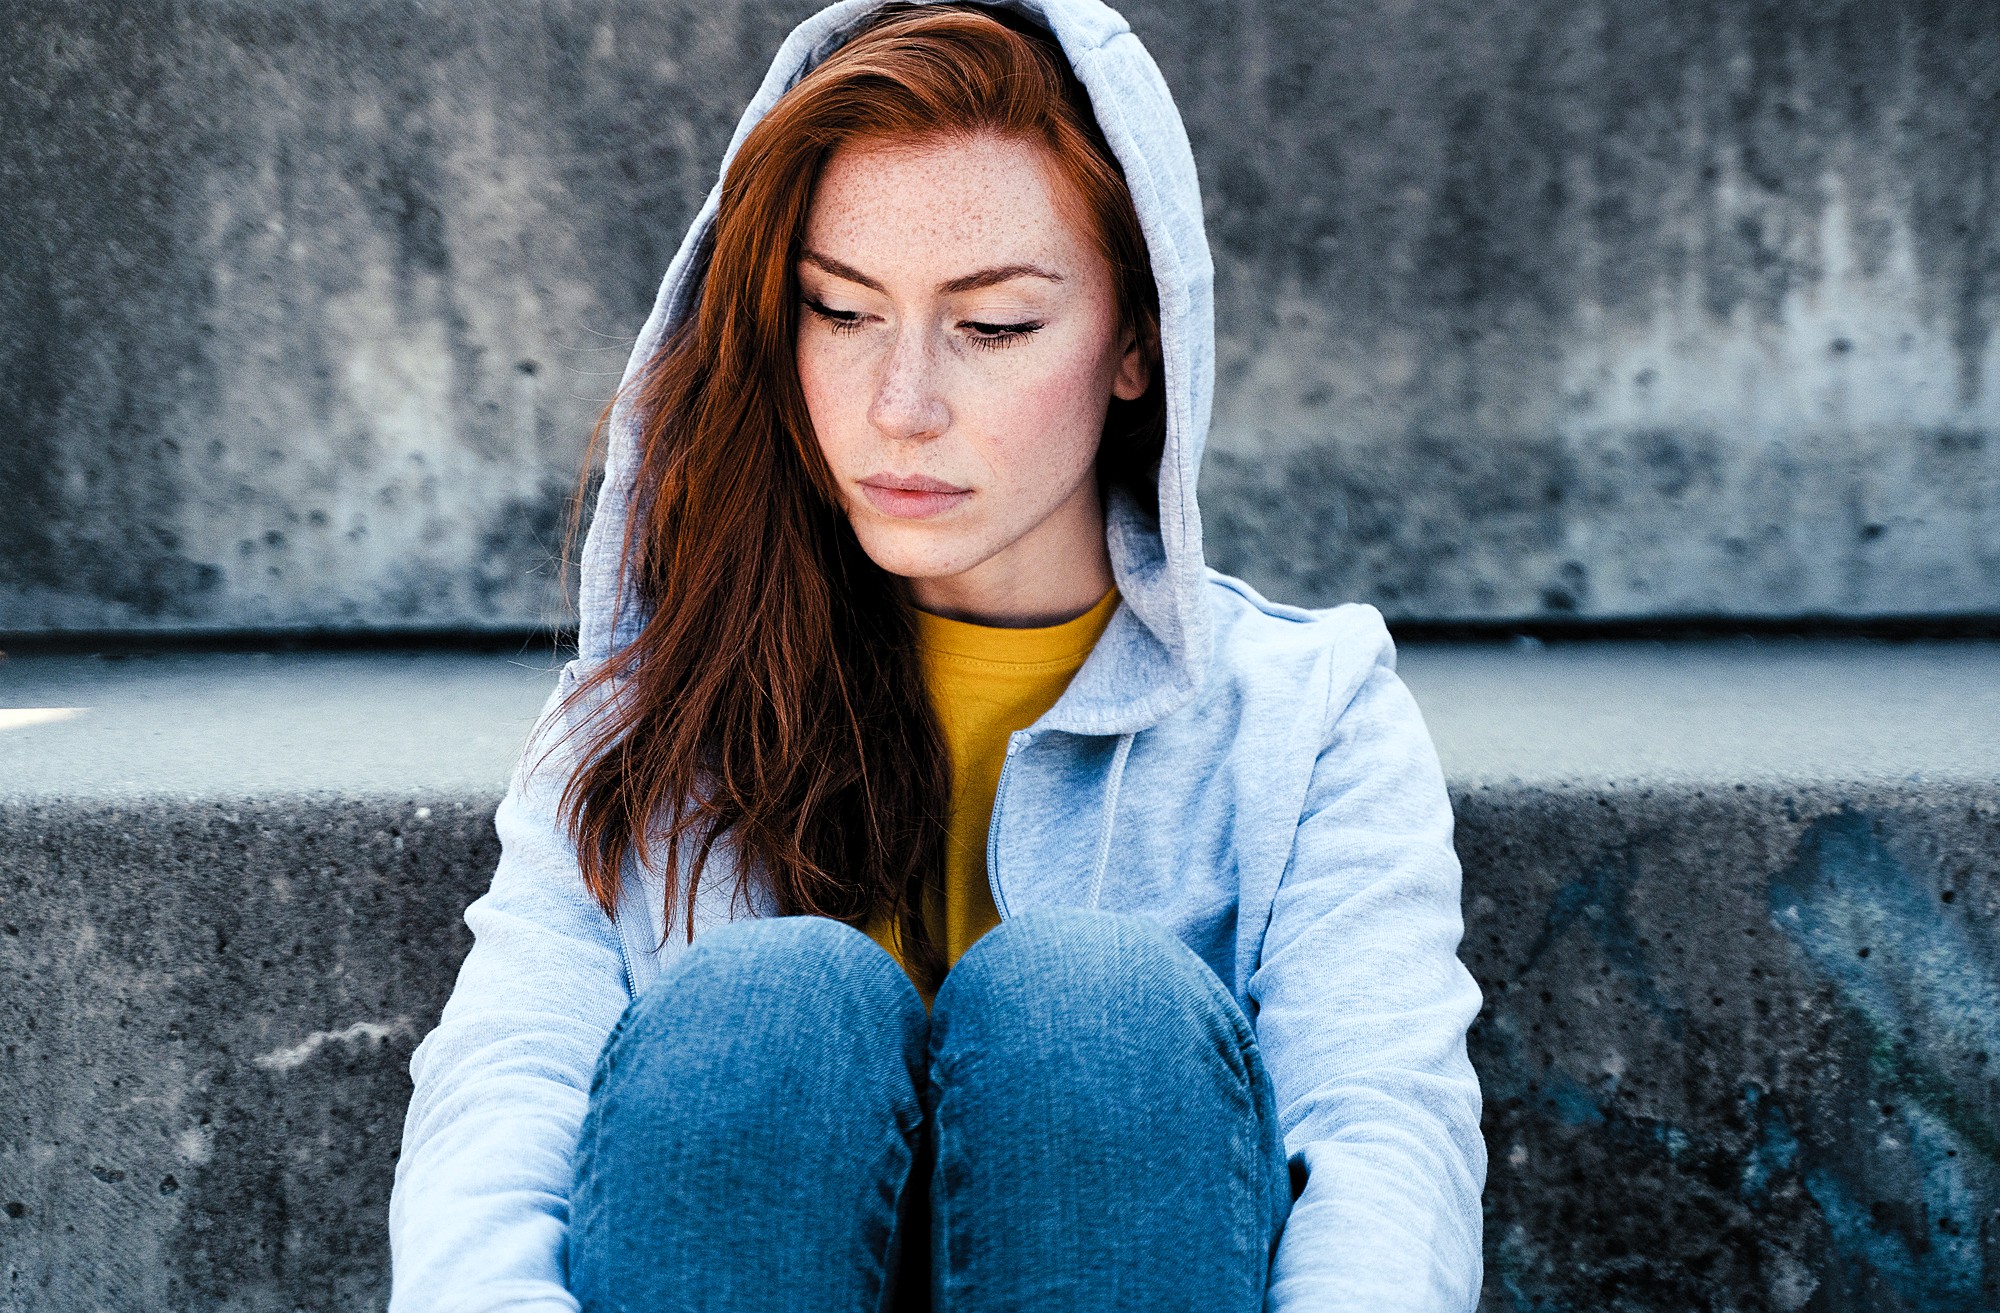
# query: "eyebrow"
971,282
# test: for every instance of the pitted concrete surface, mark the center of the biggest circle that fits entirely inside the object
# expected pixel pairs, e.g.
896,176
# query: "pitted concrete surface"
1733,909
1526,308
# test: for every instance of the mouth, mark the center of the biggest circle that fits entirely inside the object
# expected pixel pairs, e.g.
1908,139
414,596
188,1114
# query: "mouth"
912,496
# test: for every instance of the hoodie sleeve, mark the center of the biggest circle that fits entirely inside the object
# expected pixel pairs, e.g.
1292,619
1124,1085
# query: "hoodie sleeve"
1362,1007
480,1209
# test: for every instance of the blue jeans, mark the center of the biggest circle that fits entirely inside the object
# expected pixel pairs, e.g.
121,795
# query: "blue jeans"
1081,1122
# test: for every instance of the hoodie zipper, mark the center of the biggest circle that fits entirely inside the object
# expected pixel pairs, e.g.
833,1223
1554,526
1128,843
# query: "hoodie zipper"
1017,742
1119,756
619,917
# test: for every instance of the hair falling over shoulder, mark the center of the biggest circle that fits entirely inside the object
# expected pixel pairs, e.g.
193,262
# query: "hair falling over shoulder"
774,693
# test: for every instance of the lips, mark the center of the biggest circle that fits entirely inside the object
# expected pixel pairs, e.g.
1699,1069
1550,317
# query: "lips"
911,496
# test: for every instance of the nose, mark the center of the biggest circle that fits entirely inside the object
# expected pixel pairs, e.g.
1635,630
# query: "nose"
908,403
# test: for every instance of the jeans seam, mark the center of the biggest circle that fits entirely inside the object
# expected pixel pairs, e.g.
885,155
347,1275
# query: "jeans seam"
936,1075
886,1269
1252,1130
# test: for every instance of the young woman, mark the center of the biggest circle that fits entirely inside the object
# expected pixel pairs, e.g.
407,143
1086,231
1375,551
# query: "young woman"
930,883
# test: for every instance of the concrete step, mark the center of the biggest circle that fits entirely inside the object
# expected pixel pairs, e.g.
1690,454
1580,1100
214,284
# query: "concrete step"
1734,906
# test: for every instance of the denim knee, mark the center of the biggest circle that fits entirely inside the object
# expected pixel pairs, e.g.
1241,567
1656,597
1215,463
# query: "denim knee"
751,1126
1089,1065
1095,949
807,983
1084,970
779,953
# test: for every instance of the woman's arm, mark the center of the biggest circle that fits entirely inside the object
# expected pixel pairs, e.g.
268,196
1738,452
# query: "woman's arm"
480,1210
1362,1006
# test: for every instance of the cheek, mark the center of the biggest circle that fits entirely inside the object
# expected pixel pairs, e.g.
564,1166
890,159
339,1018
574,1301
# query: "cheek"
1046,421
821,376
812,372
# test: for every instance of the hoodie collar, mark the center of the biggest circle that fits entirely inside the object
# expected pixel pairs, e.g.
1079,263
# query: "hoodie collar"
1153,655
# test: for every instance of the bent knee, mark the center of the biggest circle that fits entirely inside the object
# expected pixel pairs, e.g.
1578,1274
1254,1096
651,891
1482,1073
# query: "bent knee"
759,1030
778,952
795,979
1100,978
1085,950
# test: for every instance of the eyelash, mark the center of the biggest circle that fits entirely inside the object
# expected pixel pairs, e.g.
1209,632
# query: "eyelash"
987,337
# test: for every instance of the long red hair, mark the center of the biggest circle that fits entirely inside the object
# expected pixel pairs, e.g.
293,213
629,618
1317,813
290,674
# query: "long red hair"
774,692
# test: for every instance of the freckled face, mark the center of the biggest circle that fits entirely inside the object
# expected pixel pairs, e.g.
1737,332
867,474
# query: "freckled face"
958,344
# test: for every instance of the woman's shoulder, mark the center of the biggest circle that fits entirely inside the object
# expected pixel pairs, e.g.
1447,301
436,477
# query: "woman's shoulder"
1261,642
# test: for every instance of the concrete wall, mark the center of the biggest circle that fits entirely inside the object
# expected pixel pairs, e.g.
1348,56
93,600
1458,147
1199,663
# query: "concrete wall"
1738,1048
1535,308
207,1045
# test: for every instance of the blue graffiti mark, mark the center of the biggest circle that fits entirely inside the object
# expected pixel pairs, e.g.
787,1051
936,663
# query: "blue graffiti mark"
1924,988
1775,1152
1597,901
1934,1258
1518,1265
1572,1104
1891,1166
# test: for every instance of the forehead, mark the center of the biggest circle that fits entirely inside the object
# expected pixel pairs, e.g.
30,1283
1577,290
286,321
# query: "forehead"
937,204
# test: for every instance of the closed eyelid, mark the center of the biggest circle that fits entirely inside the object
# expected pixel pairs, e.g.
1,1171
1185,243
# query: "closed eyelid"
991,309
1009,317
829,308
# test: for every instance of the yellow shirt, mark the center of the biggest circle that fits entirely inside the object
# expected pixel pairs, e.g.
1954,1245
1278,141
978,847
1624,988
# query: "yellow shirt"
986,682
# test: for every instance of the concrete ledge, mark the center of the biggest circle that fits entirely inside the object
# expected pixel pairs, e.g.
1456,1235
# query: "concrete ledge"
208,1014
1734,908
1739,1048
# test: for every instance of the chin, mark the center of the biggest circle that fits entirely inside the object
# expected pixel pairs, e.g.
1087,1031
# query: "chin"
917,553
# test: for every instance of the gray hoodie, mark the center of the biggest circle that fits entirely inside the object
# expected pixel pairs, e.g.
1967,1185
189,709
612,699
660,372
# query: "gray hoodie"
1251,775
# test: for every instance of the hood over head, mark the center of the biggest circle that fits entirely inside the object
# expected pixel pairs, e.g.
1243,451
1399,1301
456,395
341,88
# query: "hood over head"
1152,657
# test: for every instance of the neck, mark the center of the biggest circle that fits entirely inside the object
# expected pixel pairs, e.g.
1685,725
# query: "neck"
1054,574
1035,611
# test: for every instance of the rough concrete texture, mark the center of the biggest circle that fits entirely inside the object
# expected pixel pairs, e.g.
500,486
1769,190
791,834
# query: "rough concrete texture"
1739,1047
207,1023
1605,307
1574,308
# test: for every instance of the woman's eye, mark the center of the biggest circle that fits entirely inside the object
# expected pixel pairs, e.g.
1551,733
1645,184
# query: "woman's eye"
839,321
999,335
